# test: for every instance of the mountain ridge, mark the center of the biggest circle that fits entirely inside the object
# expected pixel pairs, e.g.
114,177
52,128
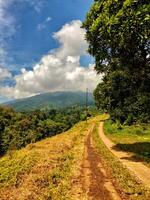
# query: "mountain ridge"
51,100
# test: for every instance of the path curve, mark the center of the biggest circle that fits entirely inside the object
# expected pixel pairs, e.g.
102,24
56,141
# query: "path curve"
138,169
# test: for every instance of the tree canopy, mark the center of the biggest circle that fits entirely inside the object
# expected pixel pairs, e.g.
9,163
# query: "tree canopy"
19,129
118,33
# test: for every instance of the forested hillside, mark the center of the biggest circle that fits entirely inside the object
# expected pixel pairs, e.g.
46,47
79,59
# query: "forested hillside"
51,100
19,129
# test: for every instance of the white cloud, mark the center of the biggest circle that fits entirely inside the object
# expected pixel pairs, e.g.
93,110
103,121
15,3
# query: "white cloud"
4,73
72,40
7,28
60,70
8,24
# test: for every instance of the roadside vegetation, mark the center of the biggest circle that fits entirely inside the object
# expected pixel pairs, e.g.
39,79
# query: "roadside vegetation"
126,183
134,139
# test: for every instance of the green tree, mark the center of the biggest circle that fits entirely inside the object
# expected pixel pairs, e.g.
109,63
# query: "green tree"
118,32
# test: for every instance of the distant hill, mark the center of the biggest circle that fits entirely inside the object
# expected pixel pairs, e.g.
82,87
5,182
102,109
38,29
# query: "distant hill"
51,100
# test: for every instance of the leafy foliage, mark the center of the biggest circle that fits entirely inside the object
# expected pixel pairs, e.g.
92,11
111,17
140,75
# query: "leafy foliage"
19,129
118,33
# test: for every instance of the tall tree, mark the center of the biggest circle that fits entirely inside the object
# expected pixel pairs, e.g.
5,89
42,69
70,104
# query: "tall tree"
118,32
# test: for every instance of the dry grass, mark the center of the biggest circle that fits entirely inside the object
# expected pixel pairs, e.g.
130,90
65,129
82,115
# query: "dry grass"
45,170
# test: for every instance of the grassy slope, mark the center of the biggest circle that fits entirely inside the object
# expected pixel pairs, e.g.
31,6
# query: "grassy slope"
50,169
45,170
134,139
129,187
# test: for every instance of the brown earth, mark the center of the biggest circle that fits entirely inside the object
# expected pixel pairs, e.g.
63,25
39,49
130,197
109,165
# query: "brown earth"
138,169
95,181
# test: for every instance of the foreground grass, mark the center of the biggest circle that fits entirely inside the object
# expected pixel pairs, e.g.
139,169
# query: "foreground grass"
14,164
47,169
129,187
134,139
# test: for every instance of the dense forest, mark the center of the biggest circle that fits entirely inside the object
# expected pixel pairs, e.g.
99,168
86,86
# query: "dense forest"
118,33
19,129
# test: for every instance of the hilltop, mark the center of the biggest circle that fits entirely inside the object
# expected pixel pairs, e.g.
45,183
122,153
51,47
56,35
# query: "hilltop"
51,100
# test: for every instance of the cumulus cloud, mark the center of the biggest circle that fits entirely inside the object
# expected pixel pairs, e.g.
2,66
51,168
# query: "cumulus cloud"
60,70
72,40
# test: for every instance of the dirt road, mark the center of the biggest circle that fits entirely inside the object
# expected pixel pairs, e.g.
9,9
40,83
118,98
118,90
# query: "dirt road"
138,169
95,180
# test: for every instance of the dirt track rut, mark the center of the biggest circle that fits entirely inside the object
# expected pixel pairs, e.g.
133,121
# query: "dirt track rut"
95,180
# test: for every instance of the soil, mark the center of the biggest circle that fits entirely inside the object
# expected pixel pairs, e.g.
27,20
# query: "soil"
138,169
95,181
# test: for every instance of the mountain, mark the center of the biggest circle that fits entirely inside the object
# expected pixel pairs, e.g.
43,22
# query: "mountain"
51,100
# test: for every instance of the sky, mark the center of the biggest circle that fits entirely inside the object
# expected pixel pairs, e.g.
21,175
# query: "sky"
43,48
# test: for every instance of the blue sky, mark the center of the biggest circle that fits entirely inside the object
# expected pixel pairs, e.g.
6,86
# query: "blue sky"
30,42
31,31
